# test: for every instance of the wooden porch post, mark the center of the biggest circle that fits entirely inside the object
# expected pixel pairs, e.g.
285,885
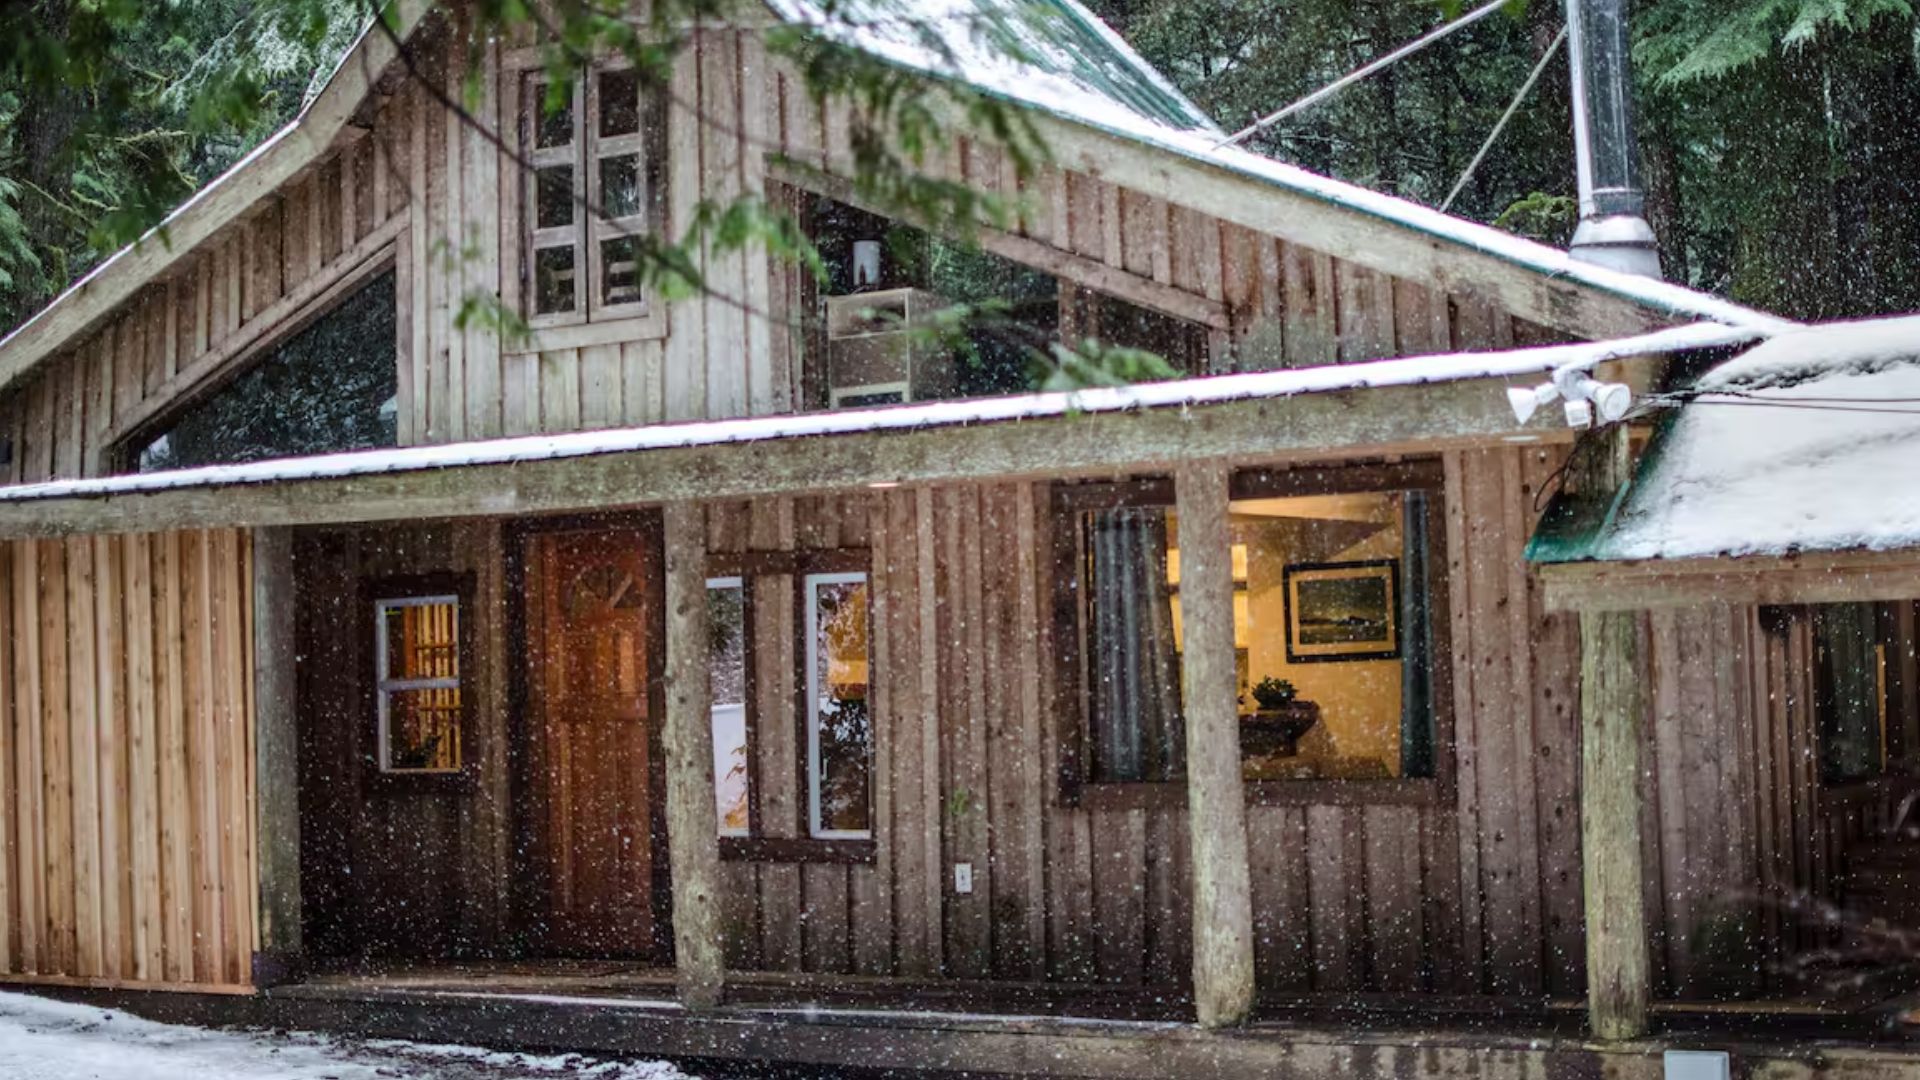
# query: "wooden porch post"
1216,805
276,748
693,850
1613,706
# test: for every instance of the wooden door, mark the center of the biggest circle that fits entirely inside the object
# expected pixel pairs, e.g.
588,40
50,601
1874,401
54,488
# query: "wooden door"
592,661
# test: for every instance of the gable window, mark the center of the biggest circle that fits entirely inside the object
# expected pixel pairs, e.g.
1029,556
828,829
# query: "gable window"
331,386
595,147
882,341
814,718
417,682
1335,581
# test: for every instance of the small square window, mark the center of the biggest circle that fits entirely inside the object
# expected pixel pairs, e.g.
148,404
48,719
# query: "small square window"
417,682
619,103
553,204
553,274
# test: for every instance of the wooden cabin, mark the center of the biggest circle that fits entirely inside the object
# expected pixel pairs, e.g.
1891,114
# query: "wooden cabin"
736,651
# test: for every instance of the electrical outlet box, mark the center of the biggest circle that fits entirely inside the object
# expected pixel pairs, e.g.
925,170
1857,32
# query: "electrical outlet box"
1698,1065
963,878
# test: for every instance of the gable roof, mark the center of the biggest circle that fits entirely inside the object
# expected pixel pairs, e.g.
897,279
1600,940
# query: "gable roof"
1053,56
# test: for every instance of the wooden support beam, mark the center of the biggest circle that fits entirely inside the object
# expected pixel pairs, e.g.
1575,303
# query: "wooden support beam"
1613,708
276,746
693,848
1814,577
1216,807
1422,418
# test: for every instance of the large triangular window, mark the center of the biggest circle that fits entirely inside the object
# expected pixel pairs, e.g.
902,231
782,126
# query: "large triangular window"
331,386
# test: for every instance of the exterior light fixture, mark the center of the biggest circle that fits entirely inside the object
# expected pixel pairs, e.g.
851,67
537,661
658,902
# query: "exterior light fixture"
1587,399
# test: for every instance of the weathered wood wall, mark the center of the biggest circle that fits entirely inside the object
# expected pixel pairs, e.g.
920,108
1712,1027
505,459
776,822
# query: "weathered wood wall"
181,334
1475,890
437,199
1745,841
126,761
398,865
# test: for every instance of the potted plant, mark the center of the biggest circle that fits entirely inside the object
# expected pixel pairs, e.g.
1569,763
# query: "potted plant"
1278,720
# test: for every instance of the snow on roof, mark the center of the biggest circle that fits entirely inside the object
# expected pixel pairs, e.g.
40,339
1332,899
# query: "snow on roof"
1807,442
1058,57
1053,54
1182,393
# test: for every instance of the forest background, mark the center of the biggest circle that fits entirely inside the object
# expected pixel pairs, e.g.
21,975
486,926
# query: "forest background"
1780,139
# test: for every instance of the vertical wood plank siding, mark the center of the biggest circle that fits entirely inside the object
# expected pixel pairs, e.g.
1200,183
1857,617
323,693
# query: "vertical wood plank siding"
425,186
411,866
125,698
1389,898
126,777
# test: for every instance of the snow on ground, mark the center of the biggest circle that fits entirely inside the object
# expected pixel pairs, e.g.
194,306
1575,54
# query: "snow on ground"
41,1039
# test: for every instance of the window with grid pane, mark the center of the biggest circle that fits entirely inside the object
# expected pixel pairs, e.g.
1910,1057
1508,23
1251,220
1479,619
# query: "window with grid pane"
417,683
593,145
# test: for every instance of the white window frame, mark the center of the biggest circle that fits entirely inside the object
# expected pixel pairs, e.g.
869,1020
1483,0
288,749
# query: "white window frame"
809,586
385,685
735,581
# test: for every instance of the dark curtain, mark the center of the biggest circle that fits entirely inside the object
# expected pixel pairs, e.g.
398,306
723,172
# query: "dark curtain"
1848,690
1138,732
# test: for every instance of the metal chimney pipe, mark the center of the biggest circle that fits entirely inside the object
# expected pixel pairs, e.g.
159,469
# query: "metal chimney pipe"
1613,230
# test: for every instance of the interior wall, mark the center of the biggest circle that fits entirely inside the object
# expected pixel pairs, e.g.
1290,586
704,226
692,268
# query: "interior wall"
126,761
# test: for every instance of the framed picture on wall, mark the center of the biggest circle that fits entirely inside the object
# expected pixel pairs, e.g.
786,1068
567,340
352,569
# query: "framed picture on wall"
1342,610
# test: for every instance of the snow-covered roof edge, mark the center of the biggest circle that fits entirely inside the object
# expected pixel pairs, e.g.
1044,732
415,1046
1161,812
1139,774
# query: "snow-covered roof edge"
1204,144
405,16
1183,393
1802,444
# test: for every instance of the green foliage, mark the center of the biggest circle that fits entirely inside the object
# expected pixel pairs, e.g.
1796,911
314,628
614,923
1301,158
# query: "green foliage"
113,111
1547,218
1682,41
1778,136
1274,693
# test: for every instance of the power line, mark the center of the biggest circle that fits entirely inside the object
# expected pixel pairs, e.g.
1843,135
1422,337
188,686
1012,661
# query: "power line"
1501,124
1359,73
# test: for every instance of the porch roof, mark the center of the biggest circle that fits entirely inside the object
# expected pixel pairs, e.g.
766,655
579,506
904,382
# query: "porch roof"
1380,406
1794,461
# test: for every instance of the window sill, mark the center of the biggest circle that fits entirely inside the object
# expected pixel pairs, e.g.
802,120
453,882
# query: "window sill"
1424,791
778,849
580,335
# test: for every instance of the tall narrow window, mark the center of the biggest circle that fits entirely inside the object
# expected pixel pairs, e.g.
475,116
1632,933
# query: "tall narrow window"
593,195
727,677
417,683
1866,682
839,723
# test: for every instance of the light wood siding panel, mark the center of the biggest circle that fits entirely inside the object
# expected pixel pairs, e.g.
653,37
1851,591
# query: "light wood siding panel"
127,827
